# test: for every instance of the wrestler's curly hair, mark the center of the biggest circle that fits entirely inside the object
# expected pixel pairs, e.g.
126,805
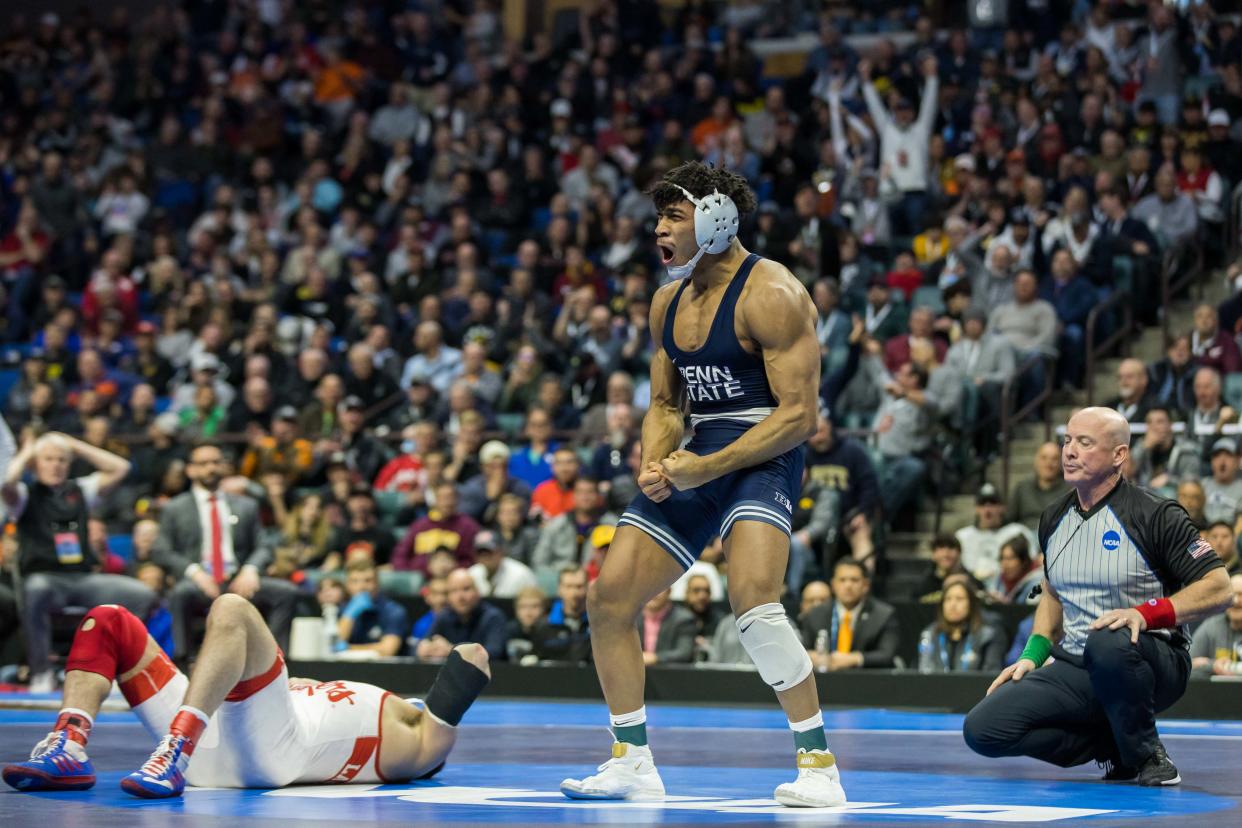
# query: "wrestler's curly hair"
701,179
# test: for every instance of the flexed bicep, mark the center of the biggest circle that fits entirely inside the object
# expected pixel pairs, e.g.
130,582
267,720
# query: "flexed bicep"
664,424
781,321
668,390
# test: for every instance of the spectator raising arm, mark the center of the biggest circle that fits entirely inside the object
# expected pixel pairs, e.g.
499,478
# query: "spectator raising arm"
931,99
112,468
875,107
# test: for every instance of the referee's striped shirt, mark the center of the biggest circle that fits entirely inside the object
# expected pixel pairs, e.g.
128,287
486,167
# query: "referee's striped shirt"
1130,547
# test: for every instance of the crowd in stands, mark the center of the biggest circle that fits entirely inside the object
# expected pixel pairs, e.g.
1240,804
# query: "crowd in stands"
347,305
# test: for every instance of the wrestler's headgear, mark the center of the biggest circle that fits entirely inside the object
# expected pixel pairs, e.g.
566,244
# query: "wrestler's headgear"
715,227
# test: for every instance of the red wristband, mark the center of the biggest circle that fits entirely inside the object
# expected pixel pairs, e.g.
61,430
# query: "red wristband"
1158,613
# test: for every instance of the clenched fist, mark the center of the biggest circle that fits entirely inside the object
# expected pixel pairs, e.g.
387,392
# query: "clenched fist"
653,483
684,470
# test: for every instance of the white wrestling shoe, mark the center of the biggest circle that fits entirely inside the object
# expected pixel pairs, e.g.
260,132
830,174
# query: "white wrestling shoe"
630,775
818,784
44,682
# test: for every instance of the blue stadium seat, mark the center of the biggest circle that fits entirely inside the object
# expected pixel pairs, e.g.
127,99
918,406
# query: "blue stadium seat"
8,378
122,546
172,195
540,219
496,241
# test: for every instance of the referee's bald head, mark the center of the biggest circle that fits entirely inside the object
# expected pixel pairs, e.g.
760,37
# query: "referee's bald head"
1097,442
1106,424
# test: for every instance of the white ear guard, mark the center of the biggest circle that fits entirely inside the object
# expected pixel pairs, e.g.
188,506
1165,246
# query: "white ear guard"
715,220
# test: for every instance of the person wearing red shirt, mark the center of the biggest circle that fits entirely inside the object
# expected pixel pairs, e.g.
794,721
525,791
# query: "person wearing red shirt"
897,349
403,473
25,246
22,251
1202,183
110,287
555,497
905,275
1211,346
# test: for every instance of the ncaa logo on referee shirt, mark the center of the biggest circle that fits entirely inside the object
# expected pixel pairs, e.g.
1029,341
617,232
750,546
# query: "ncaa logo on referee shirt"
1111,541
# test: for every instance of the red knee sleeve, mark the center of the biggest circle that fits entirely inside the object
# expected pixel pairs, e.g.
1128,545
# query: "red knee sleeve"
109,641
142,686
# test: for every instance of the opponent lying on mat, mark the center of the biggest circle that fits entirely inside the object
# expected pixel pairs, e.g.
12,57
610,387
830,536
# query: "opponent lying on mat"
240,721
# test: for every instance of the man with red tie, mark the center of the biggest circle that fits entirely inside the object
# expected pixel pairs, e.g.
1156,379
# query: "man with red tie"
210,540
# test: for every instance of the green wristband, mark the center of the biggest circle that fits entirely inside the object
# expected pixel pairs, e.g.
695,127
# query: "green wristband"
1037,649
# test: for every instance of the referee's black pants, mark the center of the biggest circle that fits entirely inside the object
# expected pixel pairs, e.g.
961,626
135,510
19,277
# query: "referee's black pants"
1103,708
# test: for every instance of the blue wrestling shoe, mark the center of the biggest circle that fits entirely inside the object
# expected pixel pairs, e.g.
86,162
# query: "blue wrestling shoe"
56,764
163,775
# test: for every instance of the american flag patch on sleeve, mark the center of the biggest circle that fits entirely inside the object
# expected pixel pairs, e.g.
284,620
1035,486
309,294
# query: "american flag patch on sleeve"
1200,548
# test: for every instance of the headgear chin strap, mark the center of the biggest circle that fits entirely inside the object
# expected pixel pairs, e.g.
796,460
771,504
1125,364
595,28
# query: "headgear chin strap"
715,228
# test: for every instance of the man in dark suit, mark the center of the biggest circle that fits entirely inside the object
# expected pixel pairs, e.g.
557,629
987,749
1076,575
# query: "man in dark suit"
1072,295
667,630
1138,179
854,629
1124,236
209,540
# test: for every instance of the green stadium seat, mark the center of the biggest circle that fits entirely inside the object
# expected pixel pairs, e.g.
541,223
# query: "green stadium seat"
387,505
510,424
928,296
400,583
547,577
1233,390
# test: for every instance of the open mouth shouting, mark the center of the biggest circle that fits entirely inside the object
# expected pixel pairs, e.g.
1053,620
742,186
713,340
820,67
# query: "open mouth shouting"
667,251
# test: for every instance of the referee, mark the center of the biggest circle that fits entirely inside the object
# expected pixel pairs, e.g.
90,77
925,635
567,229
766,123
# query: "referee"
1124,572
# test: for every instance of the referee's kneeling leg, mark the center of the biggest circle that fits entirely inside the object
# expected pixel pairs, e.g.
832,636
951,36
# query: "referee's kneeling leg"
1133,682
989,730
1115,663
1024,718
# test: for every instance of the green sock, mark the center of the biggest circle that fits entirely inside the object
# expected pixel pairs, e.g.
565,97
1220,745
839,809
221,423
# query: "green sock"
812,739
631,728
632,735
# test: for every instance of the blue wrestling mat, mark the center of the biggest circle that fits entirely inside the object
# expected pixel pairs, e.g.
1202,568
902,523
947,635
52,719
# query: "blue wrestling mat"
719,766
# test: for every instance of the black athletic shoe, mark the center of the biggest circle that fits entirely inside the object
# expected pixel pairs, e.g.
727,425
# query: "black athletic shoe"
1114,771
1158,770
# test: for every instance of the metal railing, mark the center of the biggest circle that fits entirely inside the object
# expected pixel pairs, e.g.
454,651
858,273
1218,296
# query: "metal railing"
1233,221
1119,337
1174,279
1010,418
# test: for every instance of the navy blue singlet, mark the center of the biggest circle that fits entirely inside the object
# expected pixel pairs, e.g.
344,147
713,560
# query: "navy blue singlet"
729,394
723,380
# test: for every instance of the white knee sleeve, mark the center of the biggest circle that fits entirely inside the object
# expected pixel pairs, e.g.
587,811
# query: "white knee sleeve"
773,645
